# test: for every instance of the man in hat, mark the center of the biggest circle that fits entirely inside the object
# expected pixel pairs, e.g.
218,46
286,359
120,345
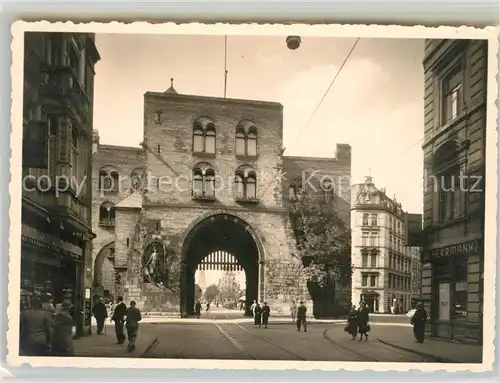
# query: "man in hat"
132,324
35,330
100,314
62,341
118,318
301,316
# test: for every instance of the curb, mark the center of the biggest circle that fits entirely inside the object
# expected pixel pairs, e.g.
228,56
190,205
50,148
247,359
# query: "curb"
438,359
150,347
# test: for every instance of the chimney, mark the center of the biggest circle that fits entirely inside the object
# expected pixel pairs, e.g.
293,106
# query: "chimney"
95,141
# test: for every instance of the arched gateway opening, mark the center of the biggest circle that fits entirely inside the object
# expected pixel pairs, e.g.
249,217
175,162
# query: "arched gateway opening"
209,244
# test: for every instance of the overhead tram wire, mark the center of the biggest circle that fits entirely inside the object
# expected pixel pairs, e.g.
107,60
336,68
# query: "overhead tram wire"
328,89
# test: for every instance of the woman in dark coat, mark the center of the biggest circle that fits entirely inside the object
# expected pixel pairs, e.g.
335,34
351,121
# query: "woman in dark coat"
352,323
257,315
266,311
418,321
363,320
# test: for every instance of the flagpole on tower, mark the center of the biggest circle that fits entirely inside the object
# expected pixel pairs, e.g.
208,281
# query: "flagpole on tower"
225,65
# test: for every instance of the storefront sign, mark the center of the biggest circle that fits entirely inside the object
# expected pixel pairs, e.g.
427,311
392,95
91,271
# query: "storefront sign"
461,249
46,246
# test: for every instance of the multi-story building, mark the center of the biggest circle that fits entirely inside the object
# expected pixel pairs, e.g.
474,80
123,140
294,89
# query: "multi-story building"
385,270
454,180
211,194
56,197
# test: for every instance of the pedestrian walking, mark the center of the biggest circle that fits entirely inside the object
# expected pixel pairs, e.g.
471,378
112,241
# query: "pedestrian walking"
48,304
363,321
257,315
197,308
418,320
100,315
252,308
293,311
118,318
266,312
35,330
132,324
207,310
301,316
352,323
62,340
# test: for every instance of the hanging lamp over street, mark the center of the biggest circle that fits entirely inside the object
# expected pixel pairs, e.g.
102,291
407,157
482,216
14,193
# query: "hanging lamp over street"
293,42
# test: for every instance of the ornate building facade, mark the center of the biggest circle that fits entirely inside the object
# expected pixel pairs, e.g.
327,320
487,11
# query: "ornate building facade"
454,180
214,183
56,197
386,272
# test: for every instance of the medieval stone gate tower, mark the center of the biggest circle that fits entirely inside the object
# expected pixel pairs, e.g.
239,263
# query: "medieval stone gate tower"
211,180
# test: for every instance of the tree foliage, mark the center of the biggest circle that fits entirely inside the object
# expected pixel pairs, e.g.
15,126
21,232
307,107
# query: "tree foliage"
211,293
323,238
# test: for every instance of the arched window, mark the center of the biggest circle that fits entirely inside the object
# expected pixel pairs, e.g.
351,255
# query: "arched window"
245,184
246,139
209,183
204,135
203,181
197,181
239,184
109,179
252,141
251,185
198,143
240,141
107,214
210,139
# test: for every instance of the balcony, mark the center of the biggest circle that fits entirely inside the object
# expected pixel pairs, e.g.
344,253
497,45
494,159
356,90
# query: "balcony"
71,95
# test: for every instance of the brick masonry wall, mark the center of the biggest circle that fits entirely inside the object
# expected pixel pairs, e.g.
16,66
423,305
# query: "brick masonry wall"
168,153
124,160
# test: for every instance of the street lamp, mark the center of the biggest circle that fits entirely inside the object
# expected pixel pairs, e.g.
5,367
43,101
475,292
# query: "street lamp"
293,42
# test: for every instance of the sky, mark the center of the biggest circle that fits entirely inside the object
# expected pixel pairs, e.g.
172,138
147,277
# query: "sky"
375,105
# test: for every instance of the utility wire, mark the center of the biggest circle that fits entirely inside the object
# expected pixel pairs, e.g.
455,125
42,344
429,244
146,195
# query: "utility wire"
328,89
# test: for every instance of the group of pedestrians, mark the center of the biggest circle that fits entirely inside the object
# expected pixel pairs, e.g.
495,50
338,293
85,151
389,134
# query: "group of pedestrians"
45,330
358,322
260,314
123,317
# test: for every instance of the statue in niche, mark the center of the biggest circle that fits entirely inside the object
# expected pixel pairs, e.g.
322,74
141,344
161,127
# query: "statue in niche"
153,269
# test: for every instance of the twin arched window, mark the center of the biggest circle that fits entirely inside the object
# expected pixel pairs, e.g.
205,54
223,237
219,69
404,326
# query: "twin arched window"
204,136
246,139
203,181
245,181
108,179
107,214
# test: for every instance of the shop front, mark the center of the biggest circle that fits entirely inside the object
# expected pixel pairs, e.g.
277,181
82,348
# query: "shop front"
50,265
456,291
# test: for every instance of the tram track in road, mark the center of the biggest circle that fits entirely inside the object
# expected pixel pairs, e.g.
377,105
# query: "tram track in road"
267,340
406,355
233,341
240,347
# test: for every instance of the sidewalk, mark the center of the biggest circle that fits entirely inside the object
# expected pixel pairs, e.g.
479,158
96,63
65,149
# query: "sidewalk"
442,351
105,345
